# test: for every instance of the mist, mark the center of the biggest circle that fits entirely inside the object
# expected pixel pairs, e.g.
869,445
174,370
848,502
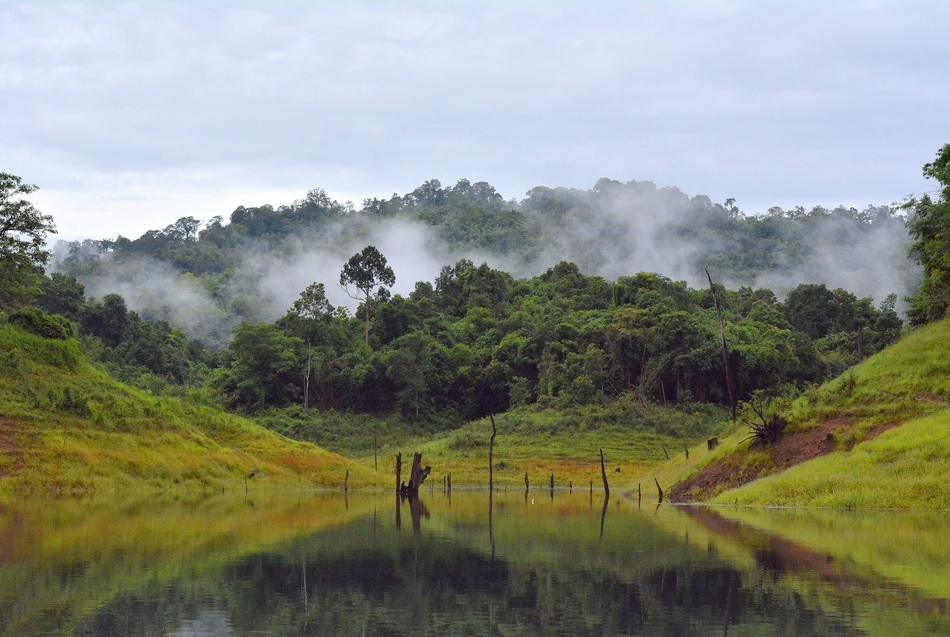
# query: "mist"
614,229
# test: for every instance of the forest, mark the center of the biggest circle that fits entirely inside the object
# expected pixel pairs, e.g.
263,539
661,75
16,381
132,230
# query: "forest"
477,339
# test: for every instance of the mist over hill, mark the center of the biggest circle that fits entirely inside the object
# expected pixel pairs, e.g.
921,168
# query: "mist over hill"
207,276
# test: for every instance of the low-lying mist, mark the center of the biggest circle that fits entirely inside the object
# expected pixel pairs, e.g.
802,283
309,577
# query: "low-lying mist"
612,230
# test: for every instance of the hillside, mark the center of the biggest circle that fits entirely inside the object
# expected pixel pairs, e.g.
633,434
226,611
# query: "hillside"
66,425
876,436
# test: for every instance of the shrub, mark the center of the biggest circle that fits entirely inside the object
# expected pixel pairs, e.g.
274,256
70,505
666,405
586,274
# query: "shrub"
766,424
74,402
42,324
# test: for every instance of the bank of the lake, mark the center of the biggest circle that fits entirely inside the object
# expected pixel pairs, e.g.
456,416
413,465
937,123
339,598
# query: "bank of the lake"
67,426
877,436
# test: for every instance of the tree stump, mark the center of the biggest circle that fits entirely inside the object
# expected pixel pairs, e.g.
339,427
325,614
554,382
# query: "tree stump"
417,474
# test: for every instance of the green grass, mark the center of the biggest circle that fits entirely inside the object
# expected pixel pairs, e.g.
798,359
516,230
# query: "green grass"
66,425
905,388
905,467
565,442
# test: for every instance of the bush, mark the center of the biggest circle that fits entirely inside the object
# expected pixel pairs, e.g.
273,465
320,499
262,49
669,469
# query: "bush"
42,324
75,402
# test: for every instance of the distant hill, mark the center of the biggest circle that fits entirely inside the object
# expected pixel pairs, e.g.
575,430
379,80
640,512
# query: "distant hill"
207,276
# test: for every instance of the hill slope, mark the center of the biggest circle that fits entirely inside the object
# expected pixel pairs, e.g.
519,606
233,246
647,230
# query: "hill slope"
68,426
876,436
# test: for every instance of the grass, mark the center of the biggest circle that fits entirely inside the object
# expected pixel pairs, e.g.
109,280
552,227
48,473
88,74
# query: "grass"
565,442
66,425
903,391
905,467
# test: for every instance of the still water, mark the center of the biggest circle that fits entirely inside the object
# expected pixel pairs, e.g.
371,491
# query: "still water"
543,564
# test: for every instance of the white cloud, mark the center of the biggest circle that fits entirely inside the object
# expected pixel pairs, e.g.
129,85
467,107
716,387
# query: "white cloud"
123,112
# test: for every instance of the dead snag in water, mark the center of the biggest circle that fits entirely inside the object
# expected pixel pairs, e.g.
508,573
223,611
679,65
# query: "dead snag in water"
526,481
398,472
491,453
417,475
603,474
659,490
346,481
666,453
686,449
552,482
725,346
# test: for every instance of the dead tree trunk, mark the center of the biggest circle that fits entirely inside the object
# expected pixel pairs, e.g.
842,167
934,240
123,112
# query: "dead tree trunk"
603,474
398,472
306,376
417,475
659,490
346,481
526,485
491,454
725,347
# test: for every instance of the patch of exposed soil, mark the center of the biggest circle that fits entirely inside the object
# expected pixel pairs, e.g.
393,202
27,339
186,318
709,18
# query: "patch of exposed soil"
791,449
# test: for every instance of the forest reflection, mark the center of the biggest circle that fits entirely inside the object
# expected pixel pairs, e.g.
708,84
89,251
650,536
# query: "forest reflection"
475,562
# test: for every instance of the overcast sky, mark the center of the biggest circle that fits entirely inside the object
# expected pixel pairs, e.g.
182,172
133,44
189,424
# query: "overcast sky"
130,115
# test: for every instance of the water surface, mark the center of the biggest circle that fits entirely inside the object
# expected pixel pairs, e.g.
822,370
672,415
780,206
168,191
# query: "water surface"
547,563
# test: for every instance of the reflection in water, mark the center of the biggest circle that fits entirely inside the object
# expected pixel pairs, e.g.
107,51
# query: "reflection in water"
488,564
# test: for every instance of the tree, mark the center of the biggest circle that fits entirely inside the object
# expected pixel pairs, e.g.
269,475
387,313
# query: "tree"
263,367
23,231
929,225
367,271
810,308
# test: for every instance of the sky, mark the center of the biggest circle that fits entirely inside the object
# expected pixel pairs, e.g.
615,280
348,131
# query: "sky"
130,115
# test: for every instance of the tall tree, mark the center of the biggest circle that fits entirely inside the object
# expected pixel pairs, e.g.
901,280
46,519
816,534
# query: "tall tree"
367,271
23,231
929,225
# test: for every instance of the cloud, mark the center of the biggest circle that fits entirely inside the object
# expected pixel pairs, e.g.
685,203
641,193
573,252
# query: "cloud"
771,103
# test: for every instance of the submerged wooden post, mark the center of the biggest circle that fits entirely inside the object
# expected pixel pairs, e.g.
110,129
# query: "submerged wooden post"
570,485
725,347
659,490
552,482
603,474
448,479
346,481
491,453
398,470
639,494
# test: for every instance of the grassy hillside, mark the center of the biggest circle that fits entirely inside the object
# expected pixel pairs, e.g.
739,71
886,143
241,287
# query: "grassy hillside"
566,442
880,432
66,425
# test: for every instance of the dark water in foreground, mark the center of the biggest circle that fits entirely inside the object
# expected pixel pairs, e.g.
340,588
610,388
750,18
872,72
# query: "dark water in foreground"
564,565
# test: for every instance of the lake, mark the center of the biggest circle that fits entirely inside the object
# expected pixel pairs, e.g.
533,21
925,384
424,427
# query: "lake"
542,563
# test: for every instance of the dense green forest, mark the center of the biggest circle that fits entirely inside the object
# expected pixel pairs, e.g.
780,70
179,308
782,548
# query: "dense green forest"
478,339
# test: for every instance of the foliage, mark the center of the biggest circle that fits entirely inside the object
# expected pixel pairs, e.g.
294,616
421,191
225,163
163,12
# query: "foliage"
766,423
41,323
929,225
23,231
